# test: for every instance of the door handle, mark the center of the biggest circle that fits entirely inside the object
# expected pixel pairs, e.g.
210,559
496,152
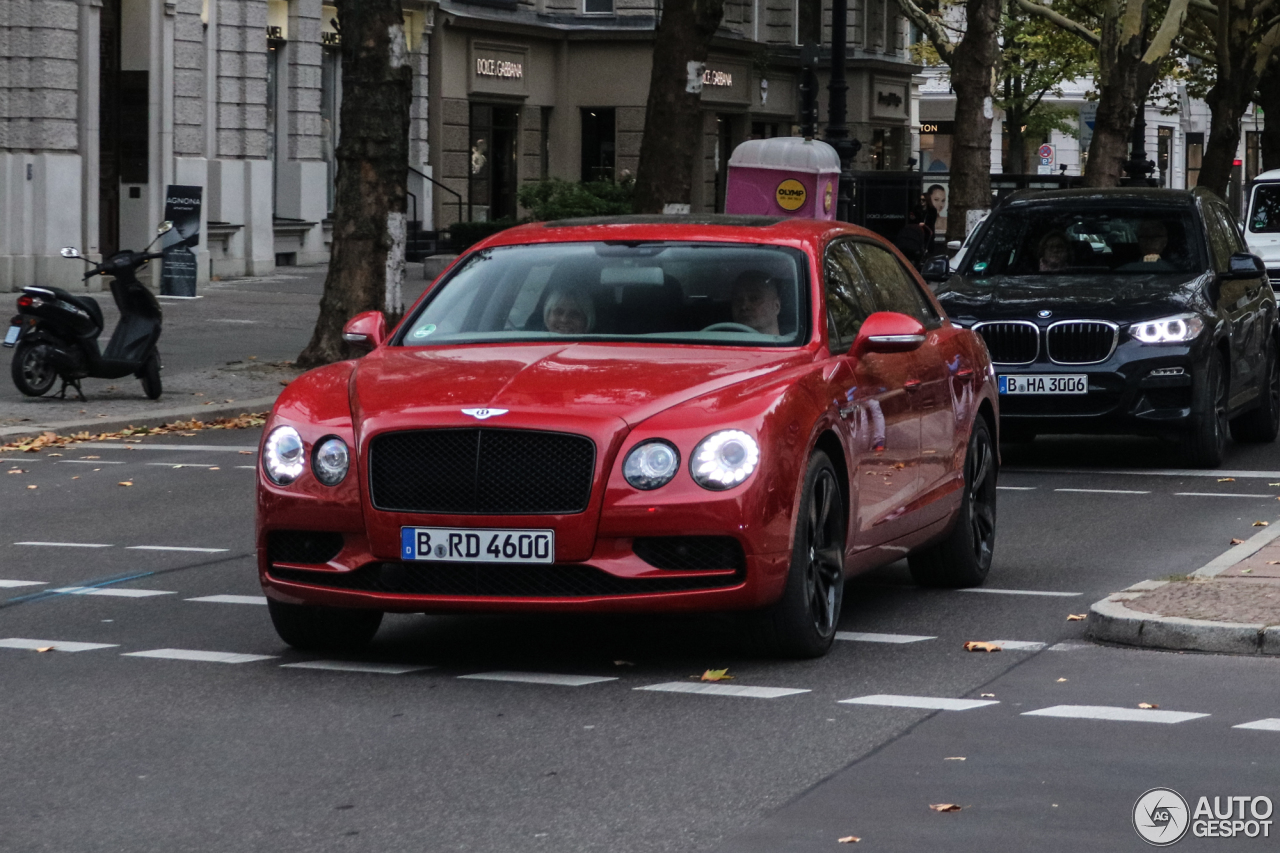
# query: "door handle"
912,385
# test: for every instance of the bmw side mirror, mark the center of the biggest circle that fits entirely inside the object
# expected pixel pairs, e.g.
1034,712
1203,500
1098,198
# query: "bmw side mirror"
365,331
1245,265
936,269
70,252
888,331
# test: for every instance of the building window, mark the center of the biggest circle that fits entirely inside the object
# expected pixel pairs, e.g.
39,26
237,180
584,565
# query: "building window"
544,145
597,7
886,148
1164,144
330,98
873,39
492,184
598,148
809,22
1195,154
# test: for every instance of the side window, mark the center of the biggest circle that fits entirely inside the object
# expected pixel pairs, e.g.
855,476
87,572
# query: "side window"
848,302
1234,239
893,288
1220,242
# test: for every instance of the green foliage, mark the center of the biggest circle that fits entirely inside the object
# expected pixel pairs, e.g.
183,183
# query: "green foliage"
557,199
1046,118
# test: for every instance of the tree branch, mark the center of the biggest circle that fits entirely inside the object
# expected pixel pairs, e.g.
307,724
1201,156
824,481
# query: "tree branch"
1191,51
931,27
1086,34
1163,39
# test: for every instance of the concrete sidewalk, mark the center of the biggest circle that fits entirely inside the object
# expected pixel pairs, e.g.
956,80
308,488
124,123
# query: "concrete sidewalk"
227,352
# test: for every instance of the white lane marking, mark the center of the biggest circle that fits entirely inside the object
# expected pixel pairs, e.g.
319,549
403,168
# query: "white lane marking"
231,599
994,591
1104,491
538,678
1270,724
191,654
1218,495
1150,472
56,645
1016,488
224,448
1107,712
872,637
928,703
9,584
64,544
1018,645
106,590
248,467
1069,646
178,464
87,462
175,548
353,666
714,689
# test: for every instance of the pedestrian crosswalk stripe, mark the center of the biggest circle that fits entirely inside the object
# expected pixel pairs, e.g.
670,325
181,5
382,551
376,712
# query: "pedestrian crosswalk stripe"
539,678
175,548
355,666
231,599
64,544
716,689
1018,645
111,591
872,637
56,645
1270,724
994,591
193,655
8,584
1104,491
928,703
1107,712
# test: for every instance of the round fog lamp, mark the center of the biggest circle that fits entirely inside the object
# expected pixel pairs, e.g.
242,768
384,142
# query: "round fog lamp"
651,464
282,456
724,459
330,461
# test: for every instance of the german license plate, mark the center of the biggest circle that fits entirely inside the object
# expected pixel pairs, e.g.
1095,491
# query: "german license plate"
1071,383
477,545
11,336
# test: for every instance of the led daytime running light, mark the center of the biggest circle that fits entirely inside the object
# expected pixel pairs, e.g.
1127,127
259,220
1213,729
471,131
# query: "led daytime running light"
724,459
283,456
1167,330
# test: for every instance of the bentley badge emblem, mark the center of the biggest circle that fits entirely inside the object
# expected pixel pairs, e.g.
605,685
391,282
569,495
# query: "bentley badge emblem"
481,414
1044,314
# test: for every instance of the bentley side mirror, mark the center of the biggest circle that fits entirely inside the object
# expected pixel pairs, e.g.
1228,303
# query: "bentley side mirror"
936,269
888,331
1245,265
71,252
365,331
164,227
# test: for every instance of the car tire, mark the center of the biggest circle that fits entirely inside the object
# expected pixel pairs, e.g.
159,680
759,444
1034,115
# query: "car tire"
150,376
32,370
1205,445
964,557
323,629
1262,424
803,622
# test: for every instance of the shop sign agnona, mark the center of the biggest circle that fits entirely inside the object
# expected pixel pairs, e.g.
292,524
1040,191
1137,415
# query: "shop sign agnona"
500,68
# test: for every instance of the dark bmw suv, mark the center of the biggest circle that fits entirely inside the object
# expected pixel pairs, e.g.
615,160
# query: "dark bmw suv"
1122,311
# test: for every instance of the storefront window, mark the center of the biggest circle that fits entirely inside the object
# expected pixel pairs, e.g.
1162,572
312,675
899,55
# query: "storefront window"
598,146
886,148
935,145
1164,144
809,22
492,170
330,97
597,7
1195,153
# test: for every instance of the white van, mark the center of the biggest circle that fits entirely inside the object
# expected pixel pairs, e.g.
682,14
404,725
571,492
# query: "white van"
1262,226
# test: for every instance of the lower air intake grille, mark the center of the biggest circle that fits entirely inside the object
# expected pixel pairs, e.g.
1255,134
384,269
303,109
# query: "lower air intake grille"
302,546
1011,342
690,553
503,581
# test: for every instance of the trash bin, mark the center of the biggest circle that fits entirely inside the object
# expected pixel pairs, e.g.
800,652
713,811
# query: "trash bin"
784,176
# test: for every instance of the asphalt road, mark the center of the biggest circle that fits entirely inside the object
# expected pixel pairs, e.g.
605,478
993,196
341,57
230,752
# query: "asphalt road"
105,749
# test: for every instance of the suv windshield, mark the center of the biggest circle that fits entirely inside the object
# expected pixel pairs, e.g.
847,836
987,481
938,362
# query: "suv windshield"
721,294
1265,216
1053,239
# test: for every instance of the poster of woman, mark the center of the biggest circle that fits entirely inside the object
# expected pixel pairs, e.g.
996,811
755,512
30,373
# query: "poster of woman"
935,200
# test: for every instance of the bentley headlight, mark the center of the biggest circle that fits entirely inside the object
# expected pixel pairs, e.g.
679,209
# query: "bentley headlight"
1168,330
724,459
282,457
651,464
330,460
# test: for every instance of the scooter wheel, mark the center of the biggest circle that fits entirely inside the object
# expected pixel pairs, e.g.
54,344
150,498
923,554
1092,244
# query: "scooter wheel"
32,368
151,376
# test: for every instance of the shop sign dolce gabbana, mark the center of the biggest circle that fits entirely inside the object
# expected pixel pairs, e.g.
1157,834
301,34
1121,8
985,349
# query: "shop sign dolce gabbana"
726,82
498,69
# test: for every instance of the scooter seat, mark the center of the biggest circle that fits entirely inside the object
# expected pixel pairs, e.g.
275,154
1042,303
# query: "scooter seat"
88,303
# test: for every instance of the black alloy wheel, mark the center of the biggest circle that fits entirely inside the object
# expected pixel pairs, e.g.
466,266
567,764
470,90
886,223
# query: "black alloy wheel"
803,622
964,557
1205,445
32,368
1262,424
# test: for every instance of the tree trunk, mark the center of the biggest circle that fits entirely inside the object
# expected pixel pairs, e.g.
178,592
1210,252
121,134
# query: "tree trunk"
672,143
1123,80
366,267
972,66
1269,100
1014,120
1224,135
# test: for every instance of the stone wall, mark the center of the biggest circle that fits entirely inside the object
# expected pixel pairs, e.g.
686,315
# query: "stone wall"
242,79
455,157
188,80
38,71
305,57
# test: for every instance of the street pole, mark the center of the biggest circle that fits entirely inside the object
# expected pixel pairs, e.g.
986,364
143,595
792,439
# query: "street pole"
837,116
1138,168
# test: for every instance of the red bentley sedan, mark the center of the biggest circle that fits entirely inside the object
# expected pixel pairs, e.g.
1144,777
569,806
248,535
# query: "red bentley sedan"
640,414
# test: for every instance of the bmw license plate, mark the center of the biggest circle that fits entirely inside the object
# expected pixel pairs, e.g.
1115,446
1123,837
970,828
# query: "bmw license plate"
11,336
477,545
1071,383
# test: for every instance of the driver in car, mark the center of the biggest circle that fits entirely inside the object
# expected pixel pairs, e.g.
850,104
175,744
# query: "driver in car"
755,302
1153,239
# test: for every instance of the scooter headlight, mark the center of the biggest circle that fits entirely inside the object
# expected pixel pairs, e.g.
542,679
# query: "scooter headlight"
283,457
330,460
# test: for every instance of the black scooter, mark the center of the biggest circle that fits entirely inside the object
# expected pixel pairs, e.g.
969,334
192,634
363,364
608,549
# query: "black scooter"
56,333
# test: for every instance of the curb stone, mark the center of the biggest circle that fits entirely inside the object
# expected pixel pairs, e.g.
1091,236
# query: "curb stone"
159,417
1110,621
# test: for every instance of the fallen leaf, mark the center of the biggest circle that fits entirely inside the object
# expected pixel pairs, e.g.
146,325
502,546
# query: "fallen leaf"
209,403
623,663
1237,541
1060,680
1147,706
1226,479
989,695
188,434
944,807
956,757
899,465
1076,617
31,487
228,401
75,478
1273,484
285,383
215,468
716,675
178,466
15,471
1273,562
974,646
55,454
245,452
1262,524
90,457
45,649
1246,571
849,839
253,358
125,483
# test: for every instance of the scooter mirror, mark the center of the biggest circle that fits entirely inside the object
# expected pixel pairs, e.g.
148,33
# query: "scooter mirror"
70,252
164,227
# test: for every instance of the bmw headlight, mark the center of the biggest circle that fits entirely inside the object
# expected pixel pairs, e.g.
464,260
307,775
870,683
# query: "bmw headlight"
651,464
282,457
1168,330
724,459
330,460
